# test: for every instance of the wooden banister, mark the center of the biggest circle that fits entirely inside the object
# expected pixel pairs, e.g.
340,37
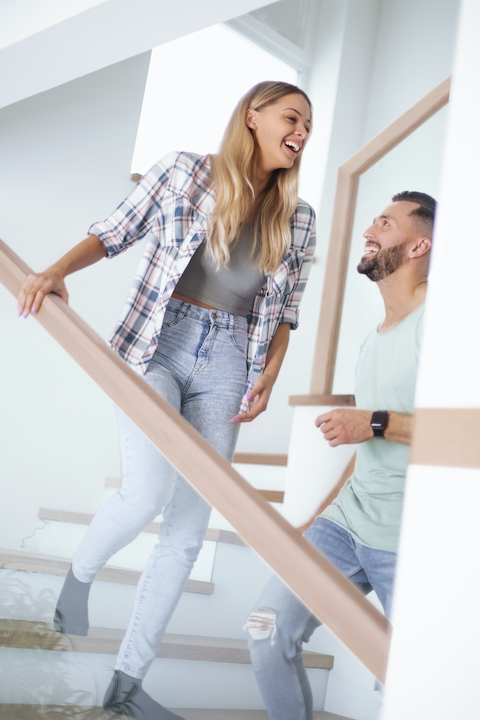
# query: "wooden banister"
329,595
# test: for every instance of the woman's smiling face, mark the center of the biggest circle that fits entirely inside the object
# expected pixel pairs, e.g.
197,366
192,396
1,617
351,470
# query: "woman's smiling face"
280,131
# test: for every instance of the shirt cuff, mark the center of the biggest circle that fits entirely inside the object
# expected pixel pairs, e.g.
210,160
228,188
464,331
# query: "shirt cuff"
290,315
108,238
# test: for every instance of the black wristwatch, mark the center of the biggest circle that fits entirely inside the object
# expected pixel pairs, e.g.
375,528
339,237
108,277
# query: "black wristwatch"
379,423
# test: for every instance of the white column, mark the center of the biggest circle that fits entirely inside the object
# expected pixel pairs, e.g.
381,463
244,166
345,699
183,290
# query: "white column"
314,468
434,670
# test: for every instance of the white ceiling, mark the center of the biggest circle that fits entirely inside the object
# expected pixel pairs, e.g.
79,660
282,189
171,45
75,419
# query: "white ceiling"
71,38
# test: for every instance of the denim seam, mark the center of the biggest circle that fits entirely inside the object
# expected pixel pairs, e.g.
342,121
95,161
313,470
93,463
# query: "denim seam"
298,688
202,358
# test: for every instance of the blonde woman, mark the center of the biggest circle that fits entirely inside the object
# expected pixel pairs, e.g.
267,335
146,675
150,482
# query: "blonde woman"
228,247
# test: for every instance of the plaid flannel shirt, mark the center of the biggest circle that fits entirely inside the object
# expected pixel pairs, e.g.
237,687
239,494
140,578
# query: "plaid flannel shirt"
171,207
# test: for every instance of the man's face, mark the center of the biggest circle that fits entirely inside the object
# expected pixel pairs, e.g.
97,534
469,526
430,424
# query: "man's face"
386,241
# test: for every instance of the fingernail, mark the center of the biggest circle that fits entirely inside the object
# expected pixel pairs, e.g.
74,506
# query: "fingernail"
34,310
19,311
25,314
249,396
232,421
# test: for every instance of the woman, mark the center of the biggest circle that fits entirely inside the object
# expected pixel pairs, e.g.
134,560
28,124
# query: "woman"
207,321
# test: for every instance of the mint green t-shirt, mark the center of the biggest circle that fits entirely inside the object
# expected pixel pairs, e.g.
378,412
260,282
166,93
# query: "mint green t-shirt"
369,506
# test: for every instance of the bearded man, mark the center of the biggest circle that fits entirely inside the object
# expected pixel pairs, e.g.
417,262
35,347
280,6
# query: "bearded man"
359,531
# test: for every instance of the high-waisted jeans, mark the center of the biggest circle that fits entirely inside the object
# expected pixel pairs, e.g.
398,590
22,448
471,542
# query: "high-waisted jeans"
200,369
280,625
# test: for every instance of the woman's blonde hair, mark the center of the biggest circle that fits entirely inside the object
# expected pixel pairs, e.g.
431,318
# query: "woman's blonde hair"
232,172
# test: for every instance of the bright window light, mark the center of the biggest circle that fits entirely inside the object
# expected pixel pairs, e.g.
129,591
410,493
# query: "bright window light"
192,88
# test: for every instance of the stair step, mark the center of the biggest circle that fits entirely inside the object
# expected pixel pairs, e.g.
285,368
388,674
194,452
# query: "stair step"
213,534
191,714
48,565
106,641
31,712
275,496
260,459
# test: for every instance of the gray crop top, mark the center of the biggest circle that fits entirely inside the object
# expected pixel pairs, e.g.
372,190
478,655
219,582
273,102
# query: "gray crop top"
233,287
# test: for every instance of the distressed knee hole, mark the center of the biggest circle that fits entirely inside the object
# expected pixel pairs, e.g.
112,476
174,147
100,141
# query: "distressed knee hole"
261,624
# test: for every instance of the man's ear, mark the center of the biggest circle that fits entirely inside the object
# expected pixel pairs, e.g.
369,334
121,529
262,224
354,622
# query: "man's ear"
421,247
251,118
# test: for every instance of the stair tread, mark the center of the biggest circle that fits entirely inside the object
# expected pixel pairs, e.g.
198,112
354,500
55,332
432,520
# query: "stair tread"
26,634
194,714
276,496
30,712
50,565
213,534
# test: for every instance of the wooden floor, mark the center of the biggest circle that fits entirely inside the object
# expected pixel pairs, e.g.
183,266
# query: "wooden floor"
30,712
189,714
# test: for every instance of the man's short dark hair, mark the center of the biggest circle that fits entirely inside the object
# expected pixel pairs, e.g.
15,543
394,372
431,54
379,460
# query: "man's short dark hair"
424,216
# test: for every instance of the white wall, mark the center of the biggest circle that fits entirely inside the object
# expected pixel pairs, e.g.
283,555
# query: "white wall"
65,162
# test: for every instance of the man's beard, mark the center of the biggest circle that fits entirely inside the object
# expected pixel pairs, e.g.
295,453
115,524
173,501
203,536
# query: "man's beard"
383,263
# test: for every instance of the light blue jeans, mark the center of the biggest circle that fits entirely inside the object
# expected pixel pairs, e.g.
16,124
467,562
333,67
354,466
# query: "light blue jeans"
277,652
200,369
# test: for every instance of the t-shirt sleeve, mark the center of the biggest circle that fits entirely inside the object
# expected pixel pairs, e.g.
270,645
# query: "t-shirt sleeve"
133,218
300,268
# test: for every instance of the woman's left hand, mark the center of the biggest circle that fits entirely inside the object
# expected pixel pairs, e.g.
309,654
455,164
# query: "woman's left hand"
259,394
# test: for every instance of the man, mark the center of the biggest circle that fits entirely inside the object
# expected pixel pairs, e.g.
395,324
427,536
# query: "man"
358,532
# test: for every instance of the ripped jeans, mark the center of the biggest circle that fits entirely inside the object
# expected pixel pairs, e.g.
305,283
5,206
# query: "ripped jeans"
280,624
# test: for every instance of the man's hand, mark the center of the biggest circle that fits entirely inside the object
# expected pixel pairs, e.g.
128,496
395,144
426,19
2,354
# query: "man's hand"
344,426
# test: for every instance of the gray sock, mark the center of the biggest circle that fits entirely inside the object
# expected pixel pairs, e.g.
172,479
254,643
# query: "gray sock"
71,613
125,696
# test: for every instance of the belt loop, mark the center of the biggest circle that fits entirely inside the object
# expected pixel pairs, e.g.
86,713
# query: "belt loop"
183,310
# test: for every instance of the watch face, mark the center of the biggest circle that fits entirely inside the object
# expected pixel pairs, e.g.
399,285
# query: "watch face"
379,420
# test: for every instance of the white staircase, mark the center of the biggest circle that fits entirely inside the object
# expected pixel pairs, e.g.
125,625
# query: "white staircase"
203,664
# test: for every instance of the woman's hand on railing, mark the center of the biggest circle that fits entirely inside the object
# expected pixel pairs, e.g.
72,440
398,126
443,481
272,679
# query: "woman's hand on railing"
259,396
36,286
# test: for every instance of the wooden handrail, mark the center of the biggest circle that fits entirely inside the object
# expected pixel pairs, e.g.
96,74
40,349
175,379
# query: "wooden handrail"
330,596
261,459
342,224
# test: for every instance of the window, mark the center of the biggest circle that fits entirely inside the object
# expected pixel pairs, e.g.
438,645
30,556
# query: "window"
192,88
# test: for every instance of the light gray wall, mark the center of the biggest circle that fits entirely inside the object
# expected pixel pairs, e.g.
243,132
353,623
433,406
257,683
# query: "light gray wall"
413,52
65,162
